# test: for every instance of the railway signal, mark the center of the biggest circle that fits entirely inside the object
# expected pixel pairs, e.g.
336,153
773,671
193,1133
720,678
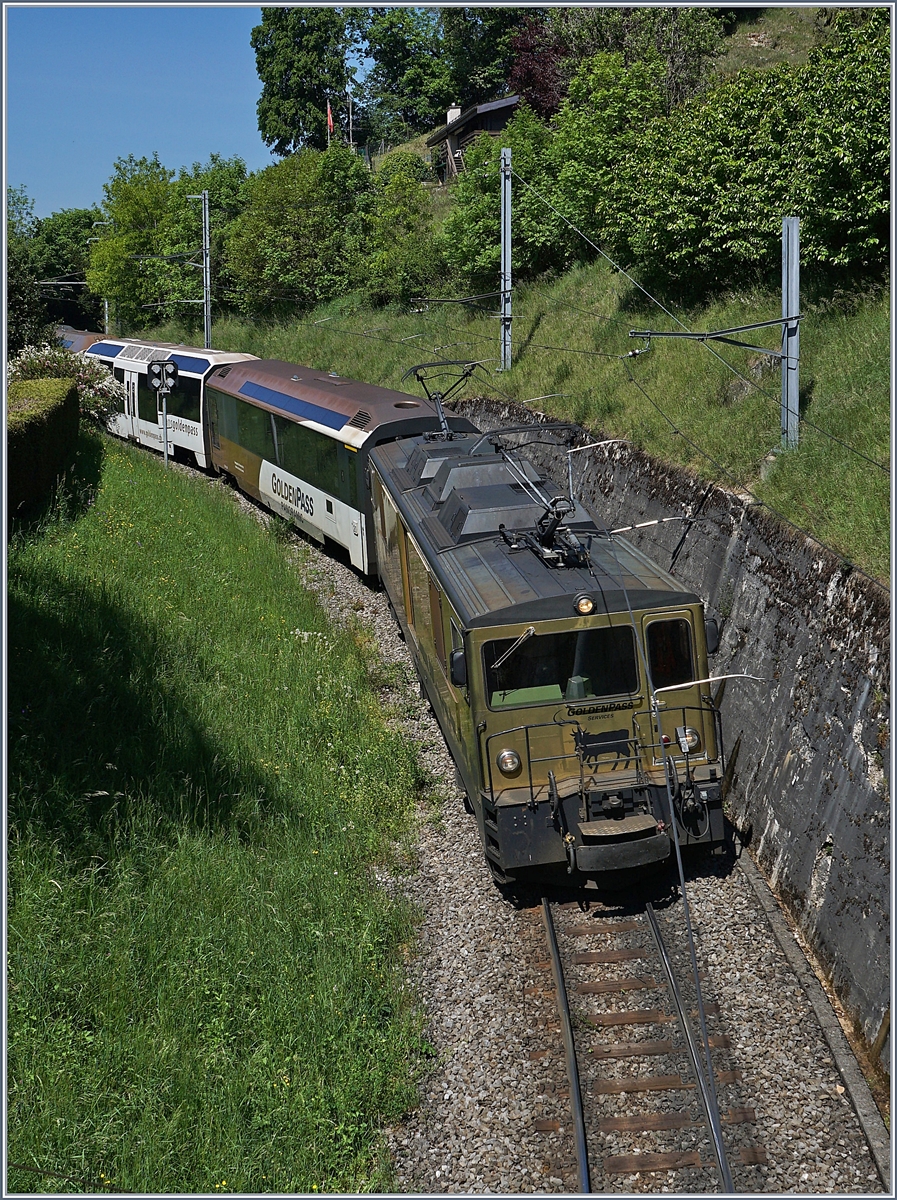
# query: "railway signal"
162,377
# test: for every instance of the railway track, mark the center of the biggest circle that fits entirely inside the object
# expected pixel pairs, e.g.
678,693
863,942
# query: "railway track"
640,1041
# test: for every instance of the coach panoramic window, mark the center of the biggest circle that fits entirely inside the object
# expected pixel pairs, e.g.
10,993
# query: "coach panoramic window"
559,667
223,414
308,455
256,434
669,653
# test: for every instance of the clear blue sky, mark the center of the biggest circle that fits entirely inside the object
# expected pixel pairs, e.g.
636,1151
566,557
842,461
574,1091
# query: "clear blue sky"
85,86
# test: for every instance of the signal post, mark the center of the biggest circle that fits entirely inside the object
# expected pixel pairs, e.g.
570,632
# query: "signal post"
162,378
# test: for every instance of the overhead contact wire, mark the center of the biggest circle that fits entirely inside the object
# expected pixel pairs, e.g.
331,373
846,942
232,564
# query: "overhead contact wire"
681,324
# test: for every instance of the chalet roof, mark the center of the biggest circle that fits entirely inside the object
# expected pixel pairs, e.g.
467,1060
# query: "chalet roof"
468,116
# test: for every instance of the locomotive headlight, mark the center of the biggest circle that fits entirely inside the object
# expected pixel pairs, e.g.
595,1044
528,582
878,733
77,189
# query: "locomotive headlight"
689,739
584,604
508,762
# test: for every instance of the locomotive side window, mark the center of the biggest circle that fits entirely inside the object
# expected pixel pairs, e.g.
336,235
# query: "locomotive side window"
553,667
419,581
436,618
669,652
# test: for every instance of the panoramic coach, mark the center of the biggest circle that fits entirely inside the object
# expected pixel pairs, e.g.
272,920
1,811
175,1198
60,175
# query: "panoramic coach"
298,441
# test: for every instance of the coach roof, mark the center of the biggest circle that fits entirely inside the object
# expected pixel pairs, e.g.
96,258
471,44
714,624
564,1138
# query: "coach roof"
328,400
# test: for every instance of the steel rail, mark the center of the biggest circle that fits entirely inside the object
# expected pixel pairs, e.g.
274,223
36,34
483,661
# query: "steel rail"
706,1091
582,1153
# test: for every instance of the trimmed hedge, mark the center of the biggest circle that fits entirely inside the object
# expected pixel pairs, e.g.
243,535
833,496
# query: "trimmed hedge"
41,434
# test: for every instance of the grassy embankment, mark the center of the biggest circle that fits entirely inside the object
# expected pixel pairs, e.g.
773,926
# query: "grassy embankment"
205,987
678,402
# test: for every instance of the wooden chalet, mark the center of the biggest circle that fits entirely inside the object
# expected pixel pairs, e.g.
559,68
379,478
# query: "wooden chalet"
461,128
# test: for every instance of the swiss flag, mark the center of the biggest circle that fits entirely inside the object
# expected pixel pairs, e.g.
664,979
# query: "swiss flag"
329,118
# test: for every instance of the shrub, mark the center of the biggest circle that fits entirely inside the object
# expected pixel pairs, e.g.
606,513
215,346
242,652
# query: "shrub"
403,162
98,393
41,433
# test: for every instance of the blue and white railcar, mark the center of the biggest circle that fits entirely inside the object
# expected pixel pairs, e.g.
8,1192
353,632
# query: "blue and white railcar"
141,416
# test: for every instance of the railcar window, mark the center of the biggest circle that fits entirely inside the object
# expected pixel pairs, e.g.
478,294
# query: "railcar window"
146,401
183,401
669,653
348,469
309,456
119,375
580,665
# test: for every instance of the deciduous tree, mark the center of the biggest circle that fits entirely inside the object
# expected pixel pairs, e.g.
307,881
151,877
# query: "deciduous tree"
121,266
540,70
477,44
686,40
298,240
409,86
60,248
26,315
301,58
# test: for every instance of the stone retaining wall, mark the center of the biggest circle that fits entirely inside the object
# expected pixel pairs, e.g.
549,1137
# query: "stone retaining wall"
809,749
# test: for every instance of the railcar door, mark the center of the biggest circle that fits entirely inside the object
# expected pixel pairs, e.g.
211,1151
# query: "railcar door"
124,421
131,405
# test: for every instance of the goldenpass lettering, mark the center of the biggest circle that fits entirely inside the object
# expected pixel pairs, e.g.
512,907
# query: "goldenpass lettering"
293,498
292,494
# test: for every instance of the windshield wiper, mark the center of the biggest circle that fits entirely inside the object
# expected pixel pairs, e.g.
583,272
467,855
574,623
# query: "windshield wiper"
527,633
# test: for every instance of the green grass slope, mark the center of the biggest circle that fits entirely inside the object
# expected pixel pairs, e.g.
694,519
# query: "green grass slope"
205,985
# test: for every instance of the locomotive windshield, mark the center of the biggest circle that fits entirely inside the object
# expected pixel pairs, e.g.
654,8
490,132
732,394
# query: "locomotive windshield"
561,666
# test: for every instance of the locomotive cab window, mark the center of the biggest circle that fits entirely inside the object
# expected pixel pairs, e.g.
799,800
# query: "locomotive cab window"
557,667
669,653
